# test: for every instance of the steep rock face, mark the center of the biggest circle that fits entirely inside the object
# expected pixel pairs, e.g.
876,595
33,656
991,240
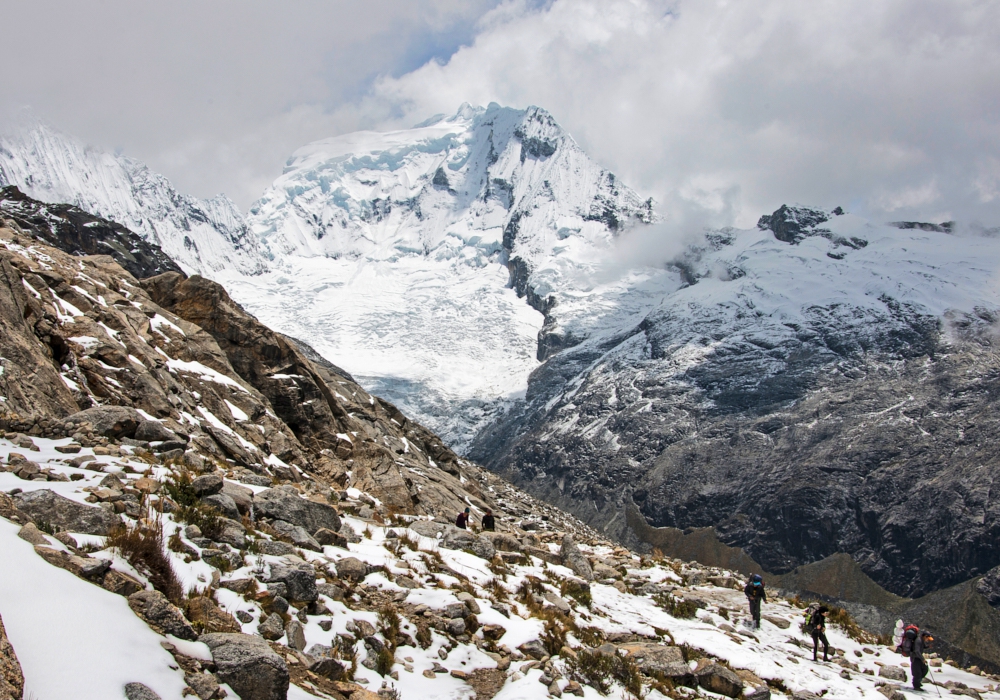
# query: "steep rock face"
79,332
819,388
75,231
428,260
203,236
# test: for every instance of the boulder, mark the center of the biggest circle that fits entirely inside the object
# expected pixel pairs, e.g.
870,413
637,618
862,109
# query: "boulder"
160,614
717,678
232,532
154,431
534,649
138,691
285,503
122,584
428,528
351,568
299,579
274,548
11,677
329,537
223,503
206,485
49,507
777,621
457,538
893,673
110,421
658,659
295,633
32,535
203,684
502,542
573,558
84,567
241,495
297,534
249,666
272,628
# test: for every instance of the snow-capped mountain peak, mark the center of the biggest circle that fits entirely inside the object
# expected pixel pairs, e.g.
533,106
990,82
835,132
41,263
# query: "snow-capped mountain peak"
203,236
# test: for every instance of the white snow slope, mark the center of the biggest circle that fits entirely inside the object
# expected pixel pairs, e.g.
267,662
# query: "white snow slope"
202,236
390,254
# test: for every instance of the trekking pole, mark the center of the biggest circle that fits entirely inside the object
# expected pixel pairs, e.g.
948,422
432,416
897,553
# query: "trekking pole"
937,687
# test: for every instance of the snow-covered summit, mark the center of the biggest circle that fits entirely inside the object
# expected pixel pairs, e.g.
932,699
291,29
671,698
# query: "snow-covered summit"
420,259
202,236
480,179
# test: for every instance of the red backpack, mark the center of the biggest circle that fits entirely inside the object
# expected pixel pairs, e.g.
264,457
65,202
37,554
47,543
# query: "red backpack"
910,633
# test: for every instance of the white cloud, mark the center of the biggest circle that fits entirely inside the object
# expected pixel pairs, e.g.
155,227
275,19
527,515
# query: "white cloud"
738,107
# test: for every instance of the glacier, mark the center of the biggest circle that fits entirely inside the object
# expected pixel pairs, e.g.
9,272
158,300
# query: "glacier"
430,261
202,236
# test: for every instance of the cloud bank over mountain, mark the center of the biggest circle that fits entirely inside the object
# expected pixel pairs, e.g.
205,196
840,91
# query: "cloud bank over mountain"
732,108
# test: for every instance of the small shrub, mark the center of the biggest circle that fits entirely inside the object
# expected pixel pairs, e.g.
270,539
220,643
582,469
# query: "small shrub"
497,590
553,636
424,637
388,625
411,543
591,636
384,659
682,609
343,650
143,547
577,592
180,490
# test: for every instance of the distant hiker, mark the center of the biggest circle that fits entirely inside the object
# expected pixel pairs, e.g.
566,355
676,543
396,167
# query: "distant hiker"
756,595
489,523
817,628
913,645
462,520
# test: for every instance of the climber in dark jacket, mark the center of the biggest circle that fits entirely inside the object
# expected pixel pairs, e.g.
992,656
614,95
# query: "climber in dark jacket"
463,519
489,523
817,627
918,665
756,595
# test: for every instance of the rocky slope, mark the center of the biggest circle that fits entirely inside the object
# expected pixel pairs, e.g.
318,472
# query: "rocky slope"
818,385
276,606
203,236
81,333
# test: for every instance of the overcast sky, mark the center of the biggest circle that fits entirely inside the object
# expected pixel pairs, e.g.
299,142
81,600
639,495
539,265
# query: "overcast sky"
725,108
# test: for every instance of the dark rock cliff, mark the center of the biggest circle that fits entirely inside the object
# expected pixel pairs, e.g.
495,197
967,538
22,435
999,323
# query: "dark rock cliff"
864,430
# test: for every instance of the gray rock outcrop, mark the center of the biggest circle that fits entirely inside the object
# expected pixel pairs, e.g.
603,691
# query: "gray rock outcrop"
285,503
249,666
49,507
160,614
573,558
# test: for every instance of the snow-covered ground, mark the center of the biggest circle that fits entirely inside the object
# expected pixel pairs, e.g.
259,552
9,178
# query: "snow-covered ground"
77,640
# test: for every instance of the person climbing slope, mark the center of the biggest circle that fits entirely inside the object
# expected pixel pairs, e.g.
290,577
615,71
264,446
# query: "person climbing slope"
462,521
756,595
489,522
817,628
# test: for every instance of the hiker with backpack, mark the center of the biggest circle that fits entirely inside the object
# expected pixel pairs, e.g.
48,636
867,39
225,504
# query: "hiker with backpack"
913,645
755,595
816,622
462,521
